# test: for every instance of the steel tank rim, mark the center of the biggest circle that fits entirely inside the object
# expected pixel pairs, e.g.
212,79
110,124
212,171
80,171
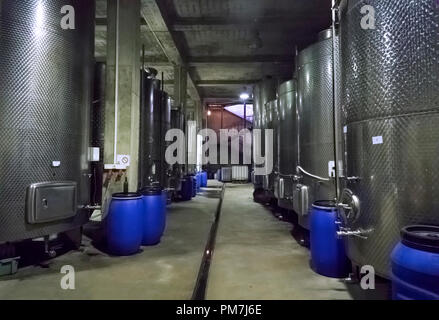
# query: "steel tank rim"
126,196
287,87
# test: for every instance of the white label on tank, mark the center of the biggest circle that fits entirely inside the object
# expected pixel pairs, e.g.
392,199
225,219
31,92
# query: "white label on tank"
345,129
377,140
93,154
331,169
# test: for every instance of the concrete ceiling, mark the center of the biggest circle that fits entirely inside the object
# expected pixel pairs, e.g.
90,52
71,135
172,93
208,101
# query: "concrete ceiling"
227,45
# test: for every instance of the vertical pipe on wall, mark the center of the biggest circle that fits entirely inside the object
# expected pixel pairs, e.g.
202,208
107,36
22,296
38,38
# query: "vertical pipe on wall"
116,86
336,117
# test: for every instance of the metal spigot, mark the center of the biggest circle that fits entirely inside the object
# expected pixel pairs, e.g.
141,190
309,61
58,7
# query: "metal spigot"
92,207
346,232
343,206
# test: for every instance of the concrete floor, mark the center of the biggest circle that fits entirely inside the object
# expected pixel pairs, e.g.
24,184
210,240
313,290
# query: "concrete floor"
255,258
166,271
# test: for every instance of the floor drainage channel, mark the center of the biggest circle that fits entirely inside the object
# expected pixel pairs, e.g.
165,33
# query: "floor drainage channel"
203,274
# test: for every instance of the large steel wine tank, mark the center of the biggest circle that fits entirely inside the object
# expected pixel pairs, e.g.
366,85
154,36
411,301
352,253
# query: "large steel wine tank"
155,120
390,100
316,136
97,131
257,122
177,122
45,96
287,143
272,124
265,91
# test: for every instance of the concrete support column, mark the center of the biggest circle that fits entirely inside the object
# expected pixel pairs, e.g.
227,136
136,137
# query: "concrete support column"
180,87
123,86
180,100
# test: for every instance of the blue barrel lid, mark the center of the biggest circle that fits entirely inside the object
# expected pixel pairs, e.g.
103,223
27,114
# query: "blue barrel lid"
421,237
126,195
151,190
324,204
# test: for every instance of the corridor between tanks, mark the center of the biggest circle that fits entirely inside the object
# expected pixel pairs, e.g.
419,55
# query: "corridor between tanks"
256,257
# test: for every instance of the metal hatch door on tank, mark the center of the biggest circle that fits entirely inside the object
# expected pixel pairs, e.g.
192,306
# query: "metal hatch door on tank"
44,127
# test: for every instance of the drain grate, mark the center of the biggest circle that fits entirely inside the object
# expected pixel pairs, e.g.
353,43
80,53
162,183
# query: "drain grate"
199,292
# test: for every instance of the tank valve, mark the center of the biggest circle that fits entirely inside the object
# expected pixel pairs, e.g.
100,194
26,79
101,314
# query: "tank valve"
92,207
47,249
351,233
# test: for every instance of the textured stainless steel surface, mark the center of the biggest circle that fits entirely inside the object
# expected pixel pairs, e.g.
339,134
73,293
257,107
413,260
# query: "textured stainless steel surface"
265,91
166,170
275,126
271,109
97,131
177,122
44,101
288,135
257,119
390,85
315,112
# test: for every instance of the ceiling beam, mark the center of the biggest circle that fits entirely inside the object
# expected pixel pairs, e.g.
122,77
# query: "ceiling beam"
150,61
202,60
102,21
156,20
266,23
219,83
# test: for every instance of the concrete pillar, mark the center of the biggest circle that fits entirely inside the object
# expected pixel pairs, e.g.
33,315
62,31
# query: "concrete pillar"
180,101
180,87
123,79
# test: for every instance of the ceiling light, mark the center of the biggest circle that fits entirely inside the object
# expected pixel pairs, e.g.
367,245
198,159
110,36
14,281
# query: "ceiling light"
244,96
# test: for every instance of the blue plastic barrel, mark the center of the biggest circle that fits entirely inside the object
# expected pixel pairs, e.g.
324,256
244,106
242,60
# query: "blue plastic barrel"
154,214
415,264
186,188
328,256
165,197
204,179
194,185
198,175
124,223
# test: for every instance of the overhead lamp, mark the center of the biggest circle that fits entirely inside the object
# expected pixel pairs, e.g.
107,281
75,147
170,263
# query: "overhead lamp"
209,113
244,96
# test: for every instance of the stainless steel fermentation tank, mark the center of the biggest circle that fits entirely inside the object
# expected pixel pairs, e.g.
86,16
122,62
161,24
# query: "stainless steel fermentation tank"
257,120
287,144
316,135
264,92
45,96
272,122
155,121
390,100
97,132
177,122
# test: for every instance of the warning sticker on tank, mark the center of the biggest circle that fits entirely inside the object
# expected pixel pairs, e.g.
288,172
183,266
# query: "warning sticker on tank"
377,140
